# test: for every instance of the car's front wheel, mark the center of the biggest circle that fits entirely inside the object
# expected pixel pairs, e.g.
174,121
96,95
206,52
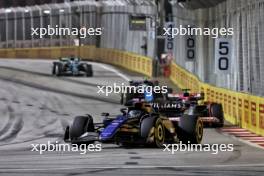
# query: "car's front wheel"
67,134
159,133
80,125
56,70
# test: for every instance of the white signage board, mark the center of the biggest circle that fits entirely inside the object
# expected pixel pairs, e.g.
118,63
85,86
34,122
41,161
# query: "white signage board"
223,55
169,43
190,48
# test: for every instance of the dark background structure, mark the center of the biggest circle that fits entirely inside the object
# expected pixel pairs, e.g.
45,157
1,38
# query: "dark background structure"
21,3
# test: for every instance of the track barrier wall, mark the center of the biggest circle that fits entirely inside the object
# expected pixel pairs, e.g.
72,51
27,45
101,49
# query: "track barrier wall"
127,60
241,109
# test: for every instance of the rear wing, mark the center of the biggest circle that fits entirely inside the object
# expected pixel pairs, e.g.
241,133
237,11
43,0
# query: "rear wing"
173,96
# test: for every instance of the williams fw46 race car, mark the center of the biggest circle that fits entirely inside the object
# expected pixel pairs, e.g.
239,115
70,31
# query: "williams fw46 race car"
71,66
139,124
193,103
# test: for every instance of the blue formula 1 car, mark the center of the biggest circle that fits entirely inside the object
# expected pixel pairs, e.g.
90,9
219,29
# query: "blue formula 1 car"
71,66
139,124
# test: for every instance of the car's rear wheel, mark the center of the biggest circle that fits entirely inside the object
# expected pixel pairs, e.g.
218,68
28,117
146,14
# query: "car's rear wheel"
216,110
190,129
89,70
159,133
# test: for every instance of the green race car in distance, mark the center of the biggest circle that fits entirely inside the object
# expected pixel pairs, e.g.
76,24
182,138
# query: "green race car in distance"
71,66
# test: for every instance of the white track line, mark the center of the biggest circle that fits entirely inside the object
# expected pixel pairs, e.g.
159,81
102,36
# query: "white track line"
106,67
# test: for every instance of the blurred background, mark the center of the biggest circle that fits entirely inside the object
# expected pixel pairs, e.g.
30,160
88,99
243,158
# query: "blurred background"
120,21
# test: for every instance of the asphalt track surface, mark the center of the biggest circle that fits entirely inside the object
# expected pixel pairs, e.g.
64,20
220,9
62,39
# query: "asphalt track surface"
35,108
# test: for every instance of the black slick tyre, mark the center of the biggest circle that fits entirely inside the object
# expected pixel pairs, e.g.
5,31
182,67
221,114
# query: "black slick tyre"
159,133
191,129
216,110
80,125
89,70
57,69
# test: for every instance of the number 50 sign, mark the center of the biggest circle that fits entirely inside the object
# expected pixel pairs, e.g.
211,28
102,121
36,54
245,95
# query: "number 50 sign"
223,54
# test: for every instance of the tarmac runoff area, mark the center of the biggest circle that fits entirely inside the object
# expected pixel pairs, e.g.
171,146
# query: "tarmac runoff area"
35,108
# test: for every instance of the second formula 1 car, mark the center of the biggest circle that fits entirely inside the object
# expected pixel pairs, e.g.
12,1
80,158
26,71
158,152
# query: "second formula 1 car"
71,66
139,124
211,113
174,105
